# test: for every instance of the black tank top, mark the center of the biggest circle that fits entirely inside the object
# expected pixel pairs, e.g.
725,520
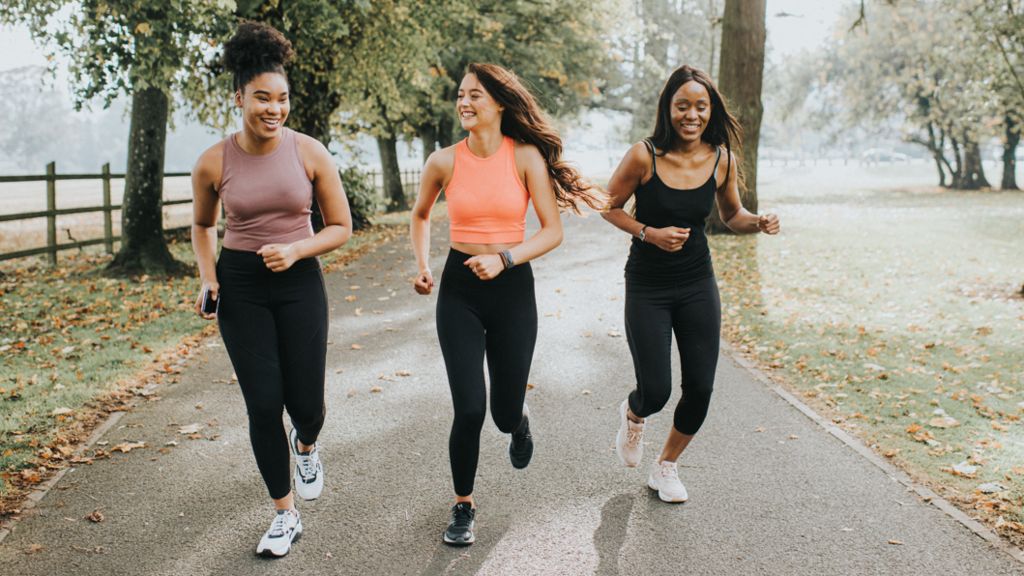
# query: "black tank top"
658,206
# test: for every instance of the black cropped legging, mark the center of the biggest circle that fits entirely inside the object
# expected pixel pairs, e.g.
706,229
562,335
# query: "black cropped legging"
693,311
274,326
475,317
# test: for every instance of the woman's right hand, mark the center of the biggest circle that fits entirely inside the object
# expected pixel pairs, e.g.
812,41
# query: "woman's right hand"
424,282
669,239
214,288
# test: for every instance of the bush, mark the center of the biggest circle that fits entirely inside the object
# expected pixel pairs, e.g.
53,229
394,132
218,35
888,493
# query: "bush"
363,198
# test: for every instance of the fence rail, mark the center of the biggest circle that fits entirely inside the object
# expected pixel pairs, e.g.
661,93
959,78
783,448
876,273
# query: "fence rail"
409,179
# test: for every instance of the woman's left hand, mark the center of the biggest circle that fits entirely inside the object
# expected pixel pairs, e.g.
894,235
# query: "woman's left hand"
278,257
486,266
768,223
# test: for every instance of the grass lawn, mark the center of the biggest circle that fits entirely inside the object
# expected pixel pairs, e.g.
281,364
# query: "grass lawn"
76,346
895,309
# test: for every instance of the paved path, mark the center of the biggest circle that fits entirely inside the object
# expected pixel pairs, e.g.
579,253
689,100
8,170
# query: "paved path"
788,500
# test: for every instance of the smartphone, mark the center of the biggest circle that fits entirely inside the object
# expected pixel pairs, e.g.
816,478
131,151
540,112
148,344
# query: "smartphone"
210,305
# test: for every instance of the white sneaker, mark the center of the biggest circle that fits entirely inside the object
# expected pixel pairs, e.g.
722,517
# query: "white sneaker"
629,441
664,478
285,528
309,472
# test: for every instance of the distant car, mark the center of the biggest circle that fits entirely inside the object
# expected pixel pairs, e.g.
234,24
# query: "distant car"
877,155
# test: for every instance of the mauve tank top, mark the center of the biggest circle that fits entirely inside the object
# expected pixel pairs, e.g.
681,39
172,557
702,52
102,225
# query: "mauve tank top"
267,198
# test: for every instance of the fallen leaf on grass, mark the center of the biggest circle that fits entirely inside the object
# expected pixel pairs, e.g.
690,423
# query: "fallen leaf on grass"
962,469
189,429
127,447
60,411
96,517
891,452
943,422
991,488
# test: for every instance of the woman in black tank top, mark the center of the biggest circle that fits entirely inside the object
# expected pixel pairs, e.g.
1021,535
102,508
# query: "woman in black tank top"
675,176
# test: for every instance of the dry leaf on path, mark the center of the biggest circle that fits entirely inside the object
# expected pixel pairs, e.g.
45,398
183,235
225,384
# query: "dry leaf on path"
96,516
190,429
127,447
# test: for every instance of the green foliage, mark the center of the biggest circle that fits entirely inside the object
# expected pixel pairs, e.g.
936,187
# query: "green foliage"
363,198
118,46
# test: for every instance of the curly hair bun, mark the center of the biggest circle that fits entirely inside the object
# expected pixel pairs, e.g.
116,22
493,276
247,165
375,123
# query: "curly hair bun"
256,48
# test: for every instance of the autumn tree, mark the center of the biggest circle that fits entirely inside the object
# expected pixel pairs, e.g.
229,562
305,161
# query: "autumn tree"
916,64
555,48
141,49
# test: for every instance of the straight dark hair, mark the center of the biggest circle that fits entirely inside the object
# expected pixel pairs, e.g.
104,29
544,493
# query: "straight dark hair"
722,130
523,120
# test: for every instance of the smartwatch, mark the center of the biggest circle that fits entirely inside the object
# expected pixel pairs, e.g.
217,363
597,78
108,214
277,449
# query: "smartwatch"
643,234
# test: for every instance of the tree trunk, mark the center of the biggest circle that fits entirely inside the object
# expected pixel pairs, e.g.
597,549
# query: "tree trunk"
143,247
446,131
741,69
974,172
428,135
1010,155
393,191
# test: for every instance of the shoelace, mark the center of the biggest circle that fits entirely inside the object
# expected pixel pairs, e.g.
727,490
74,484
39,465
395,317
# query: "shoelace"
668,470
307,467
634,435
278,526
463,516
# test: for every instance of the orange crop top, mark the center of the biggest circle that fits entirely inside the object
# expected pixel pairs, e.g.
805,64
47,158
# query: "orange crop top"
486,198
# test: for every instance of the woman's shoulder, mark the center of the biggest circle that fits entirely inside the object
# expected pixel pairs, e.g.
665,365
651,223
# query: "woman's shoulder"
211,159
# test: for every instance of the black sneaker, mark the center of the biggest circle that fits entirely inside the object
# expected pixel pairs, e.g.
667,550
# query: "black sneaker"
520,447
460,527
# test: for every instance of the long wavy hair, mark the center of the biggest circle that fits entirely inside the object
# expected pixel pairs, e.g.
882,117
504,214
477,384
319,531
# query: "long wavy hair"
722,130
523,120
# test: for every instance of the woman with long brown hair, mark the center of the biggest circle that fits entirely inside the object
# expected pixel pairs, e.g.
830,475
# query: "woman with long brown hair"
486,304
676,175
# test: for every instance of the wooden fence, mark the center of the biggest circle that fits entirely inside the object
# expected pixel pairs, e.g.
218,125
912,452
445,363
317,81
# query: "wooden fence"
410,180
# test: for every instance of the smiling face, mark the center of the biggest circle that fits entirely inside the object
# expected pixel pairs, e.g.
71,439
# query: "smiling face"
691,111
475,106
264,104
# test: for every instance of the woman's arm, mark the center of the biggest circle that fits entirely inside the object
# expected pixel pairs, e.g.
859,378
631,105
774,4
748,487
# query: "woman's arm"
435,173
732,212
538,184
328,192
205,207
627,177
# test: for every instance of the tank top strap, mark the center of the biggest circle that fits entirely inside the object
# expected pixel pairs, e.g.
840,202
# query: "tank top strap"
650,148
714,171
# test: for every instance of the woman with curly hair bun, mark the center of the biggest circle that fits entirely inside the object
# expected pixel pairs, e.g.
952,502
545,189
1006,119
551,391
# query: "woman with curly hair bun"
486,304
675,176
266,290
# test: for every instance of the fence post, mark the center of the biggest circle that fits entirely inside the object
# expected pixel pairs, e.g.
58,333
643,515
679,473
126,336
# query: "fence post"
108,225
51,207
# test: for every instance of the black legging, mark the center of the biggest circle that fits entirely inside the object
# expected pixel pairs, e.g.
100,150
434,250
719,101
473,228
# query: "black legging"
274,326
475,316
691,310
